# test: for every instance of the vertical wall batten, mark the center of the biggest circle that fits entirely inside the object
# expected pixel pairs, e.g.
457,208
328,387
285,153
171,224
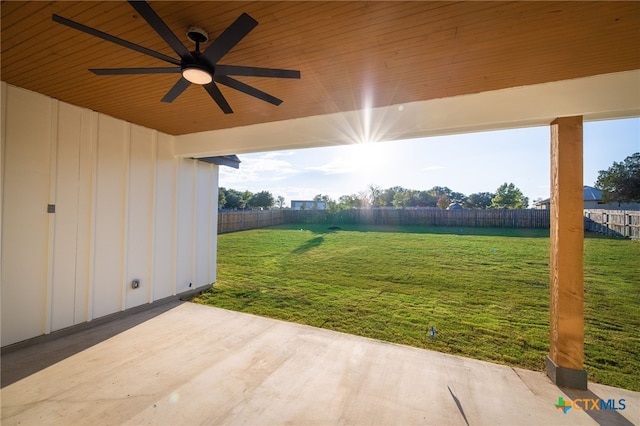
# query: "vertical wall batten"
140,215
187,202
3,135
78,230
210,268
152,222
165,213
66,180
194,219
110,215
214,224
84,231
125,215
202,222
93,215
51,219
178,213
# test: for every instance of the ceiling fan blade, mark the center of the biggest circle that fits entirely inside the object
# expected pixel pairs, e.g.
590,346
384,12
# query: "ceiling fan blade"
127,71
217,96
152,18
176,90
255,71
245,88
229,38
113,39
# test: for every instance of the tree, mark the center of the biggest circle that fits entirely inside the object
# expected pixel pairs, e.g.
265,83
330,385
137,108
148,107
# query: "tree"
350,201
246,196
401,199
427,199
509,197
457,197
621,181
234,199
332,206
364,200
441,190
443,201
386,197
262,199
323,198
375,196
280,201
479,200
221,198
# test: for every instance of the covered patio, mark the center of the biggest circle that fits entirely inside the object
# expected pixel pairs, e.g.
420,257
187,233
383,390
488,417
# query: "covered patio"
182,363
107,208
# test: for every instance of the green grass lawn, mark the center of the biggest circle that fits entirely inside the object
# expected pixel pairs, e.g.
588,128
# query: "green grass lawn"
484,290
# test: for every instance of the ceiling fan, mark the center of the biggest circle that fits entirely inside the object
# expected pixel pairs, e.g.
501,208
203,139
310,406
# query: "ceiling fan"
195,67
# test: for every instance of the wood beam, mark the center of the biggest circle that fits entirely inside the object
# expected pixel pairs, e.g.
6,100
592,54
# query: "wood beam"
565,362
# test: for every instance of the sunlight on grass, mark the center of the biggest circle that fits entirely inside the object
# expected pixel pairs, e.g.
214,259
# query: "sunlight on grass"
484,290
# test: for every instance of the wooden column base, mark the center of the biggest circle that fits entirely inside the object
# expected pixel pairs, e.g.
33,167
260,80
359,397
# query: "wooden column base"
566,377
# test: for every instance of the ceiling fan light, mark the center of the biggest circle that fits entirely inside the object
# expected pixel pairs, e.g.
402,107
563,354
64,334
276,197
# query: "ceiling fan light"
197,75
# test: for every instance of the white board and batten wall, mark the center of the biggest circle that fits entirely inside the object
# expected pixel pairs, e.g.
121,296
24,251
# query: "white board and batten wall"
125,208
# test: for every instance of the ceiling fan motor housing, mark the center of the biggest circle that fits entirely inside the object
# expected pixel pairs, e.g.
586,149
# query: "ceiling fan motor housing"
197,35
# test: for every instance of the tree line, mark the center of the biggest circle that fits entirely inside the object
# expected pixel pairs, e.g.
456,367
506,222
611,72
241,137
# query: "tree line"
507,196
621,182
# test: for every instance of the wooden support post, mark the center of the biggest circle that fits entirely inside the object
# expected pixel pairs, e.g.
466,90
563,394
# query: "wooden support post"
565,362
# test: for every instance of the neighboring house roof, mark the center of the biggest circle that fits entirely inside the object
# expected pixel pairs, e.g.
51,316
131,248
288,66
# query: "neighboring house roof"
589,194
592,194
317,204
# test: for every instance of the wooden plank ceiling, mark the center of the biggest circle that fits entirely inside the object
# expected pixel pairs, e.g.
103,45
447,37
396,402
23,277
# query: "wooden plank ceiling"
350,54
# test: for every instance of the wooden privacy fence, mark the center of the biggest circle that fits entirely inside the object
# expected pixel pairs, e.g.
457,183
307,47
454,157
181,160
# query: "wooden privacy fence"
619,223
428,217
239,220
229,221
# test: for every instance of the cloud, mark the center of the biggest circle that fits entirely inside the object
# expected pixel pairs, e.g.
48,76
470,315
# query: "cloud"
336,166
274,154
262,168
432,168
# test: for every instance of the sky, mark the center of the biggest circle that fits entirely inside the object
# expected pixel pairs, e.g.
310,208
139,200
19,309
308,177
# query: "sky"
467,163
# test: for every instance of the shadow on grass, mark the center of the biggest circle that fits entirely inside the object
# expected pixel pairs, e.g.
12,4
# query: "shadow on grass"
417,229
310,244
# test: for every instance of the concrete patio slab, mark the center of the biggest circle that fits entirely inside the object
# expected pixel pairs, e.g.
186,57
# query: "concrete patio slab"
188,364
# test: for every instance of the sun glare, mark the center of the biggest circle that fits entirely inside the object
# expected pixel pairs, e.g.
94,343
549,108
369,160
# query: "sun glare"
368,158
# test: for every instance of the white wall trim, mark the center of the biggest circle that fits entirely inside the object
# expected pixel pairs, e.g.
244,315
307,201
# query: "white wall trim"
606,96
